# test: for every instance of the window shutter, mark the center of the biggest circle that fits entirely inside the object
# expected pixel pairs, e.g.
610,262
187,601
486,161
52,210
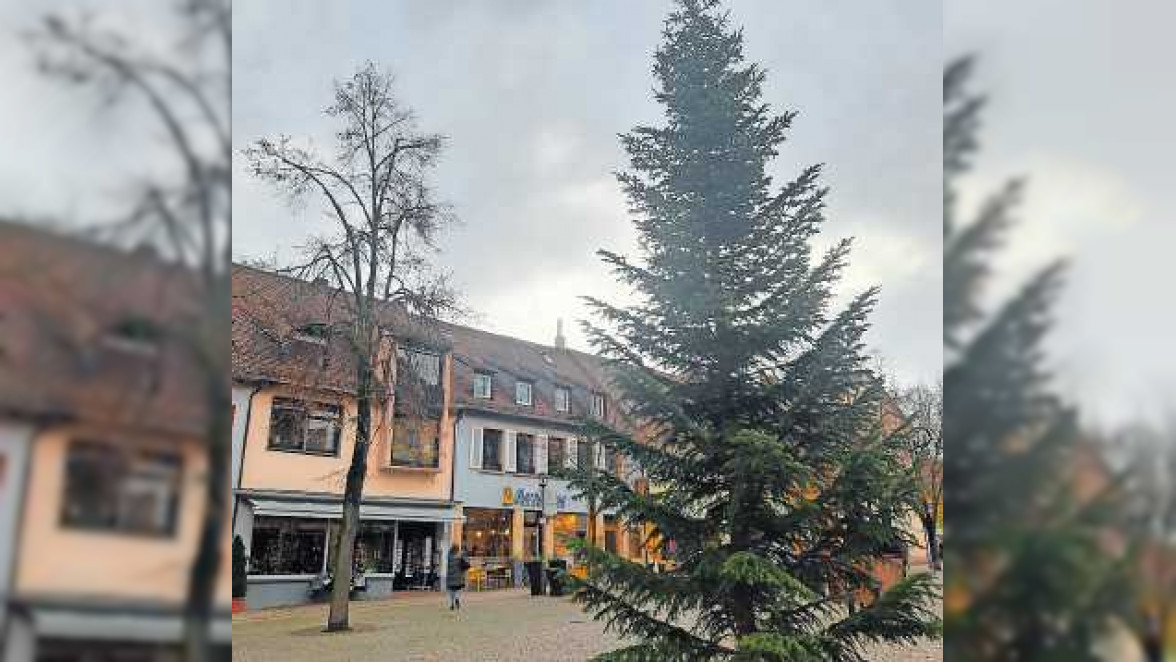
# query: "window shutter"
570,454
541,454
510,456
476,448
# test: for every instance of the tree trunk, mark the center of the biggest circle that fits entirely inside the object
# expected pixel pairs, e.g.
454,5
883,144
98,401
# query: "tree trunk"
928,519
352,495
202,578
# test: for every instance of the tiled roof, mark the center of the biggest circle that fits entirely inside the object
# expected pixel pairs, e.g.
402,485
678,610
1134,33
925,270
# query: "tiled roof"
269,309
61,301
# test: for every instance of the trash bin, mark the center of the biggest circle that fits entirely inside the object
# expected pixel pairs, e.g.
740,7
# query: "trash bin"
535,576
555,570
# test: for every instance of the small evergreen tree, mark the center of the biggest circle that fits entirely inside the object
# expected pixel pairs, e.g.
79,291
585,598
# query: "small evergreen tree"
779,490
239,570
1028,577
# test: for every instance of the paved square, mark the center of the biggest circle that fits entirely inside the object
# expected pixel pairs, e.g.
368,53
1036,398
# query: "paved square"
491,627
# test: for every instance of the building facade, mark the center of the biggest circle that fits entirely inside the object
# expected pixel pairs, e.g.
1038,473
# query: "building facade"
103,456
516,410
297,437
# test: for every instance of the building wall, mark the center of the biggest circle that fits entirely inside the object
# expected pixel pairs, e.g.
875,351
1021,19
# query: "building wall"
241,396
58,561
481,488
14,448
266,469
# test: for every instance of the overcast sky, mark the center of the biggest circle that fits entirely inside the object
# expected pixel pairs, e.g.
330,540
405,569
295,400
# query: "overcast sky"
1081,103
533,93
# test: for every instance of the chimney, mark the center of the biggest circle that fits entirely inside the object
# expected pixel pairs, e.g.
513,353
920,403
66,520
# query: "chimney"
560,341
321,281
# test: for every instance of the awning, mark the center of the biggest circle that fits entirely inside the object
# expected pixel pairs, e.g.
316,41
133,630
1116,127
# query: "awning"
367,511
115,625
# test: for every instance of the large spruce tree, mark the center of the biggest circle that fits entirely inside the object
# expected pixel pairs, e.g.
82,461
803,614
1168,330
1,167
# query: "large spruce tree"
762,436
1029,571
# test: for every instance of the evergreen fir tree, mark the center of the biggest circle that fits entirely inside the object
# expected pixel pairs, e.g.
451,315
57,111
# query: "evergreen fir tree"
761,418
1028,577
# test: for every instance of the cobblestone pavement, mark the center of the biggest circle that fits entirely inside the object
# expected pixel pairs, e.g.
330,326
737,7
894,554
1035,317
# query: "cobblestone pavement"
492,627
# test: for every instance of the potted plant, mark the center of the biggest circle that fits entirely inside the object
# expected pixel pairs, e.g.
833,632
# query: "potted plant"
240,584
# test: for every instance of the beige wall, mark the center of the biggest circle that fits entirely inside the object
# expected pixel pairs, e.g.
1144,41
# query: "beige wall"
277,470
56,560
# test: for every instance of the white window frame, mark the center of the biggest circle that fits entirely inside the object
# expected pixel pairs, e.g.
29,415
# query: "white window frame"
489,381
563,398
522,386
598,399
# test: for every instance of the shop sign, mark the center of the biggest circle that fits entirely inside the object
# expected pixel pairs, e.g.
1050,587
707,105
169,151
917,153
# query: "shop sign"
521,496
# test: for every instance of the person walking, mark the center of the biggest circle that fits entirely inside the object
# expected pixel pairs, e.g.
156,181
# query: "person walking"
455,576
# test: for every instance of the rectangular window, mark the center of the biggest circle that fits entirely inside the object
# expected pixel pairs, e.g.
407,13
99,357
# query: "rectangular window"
305,427
598,409
287,546
583,455
374,546
482,385
416,445
567,527
523,393
525,444
555,454
563,399
492,449
418,383
108,488
610,534
612,461
487,532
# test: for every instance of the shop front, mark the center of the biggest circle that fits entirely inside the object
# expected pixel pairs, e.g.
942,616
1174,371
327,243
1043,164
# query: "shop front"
399,547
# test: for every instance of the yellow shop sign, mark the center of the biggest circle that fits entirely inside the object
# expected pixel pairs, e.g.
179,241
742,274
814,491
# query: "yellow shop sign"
507,496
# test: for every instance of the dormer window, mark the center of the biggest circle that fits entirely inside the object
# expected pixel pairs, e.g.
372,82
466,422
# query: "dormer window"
135,334
523,393
483,382
598,405
313,332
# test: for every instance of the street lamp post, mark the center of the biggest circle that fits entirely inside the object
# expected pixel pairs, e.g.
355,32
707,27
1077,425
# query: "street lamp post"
542,529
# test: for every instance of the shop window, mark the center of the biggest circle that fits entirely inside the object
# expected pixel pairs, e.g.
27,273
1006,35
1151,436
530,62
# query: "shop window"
483,385
492,449
487,532
416,445
109,488
374,546
287,546
566,528
555,453
305,427
525,450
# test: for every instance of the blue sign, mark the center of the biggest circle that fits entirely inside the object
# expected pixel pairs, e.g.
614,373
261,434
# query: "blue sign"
528,498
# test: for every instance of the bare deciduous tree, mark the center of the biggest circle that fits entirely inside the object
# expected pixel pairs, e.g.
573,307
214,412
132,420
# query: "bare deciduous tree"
186,87
923,407
1147,455
386,217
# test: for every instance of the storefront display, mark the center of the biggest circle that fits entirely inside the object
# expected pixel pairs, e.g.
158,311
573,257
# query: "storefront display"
487,532
287,546
568,527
